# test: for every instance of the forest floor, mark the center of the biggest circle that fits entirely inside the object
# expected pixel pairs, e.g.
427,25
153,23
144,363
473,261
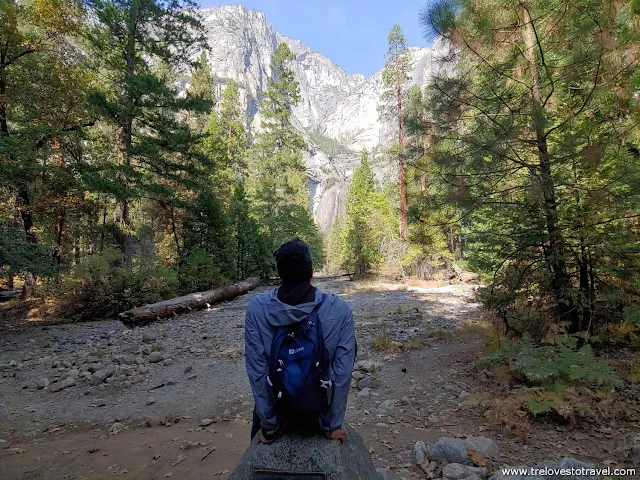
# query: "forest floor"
146,420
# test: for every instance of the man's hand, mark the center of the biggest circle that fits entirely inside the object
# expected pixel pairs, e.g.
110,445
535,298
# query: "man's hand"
339,434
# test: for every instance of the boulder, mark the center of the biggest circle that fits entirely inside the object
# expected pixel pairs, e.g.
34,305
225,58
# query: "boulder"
634,454
293,453
449,450
483,445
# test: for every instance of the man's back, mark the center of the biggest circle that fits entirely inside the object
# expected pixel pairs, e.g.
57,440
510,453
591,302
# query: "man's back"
265,314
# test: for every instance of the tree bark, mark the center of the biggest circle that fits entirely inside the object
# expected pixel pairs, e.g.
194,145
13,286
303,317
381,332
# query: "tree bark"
404,224
555,250
149,313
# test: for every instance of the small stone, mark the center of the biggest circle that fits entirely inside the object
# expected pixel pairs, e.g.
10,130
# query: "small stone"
140,361
144,350
206,422
143,369
449,450
155,357
56,387
95,367
433,419
419,452
192,376
167,362
103,375
438,380
368,366
456,471
152,422
126,370
358,375
405,400
148,337
116,428
43,383
364,393
86,375
188,369
151,401
368,382
74,373
464,395
634,454
13,363
26,385
69,382
386,405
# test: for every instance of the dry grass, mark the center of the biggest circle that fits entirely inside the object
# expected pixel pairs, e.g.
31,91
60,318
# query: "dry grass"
382,344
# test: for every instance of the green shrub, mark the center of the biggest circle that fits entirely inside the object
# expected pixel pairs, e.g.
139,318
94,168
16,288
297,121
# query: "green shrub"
198,271
100,287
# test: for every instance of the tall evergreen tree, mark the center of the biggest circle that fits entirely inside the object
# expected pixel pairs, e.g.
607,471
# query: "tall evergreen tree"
201,87
534,137
131,41
277,174
394,77
226,142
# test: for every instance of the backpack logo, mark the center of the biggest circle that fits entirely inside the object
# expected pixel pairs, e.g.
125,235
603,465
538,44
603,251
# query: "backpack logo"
293,351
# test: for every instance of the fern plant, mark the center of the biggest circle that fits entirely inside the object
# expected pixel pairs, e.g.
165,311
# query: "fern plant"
557,374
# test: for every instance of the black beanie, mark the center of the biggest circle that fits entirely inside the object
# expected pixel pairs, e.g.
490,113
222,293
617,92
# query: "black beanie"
294,263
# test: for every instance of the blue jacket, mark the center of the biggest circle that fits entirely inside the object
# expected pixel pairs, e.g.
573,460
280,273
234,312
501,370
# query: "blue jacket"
264,314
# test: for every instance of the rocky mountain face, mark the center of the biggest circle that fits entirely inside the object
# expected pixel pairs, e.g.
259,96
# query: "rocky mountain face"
338,113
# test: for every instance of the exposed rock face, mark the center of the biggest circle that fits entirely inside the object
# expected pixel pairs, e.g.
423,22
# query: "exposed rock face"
336,104
350,461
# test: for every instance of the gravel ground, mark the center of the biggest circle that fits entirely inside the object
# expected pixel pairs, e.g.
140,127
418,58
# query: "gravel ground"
201,368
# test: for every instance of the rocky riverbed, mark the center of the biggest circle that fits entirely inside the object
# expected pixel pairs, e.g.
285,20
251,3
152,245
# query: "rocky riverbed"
180,384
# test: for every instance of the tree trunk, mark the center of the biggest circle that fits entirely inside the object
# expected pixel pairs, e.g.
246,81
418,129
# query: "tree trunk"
149,313
4,128
60,235
555,250
404,227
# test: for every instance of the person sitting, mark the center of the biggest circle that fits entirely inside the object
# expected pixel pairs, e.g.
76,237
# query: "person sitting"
300,349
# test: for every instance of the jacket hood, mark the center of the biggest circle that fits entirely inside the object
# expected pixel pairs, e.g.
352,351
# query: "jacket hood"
280,314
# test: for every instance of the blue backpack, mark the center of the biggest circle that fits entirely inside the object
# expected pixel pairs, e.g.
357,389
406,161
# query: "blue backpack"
299,369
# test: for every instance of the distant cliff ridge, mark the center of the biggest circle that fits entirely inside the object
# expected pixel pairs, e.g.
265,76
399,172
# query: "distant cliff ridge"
337,114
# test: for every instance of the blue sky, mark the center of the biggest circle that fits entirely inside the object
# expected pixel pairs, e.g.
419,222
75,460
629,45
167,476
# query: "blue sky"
352,33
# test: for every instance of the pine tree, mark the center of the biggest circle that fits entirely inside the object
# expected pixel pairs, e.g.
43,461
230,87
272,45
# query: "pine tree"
532,137
225,141
394,77
277,175
201,88
201,82
251,255
135,43
367,223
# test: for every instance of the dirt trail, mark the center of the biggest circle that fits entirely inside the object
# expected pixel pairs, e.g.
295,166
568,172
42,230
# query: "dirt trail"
102,430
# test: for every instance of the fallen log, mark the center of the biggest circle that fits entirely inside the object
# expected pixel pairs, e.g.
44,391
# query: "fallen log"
155,311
